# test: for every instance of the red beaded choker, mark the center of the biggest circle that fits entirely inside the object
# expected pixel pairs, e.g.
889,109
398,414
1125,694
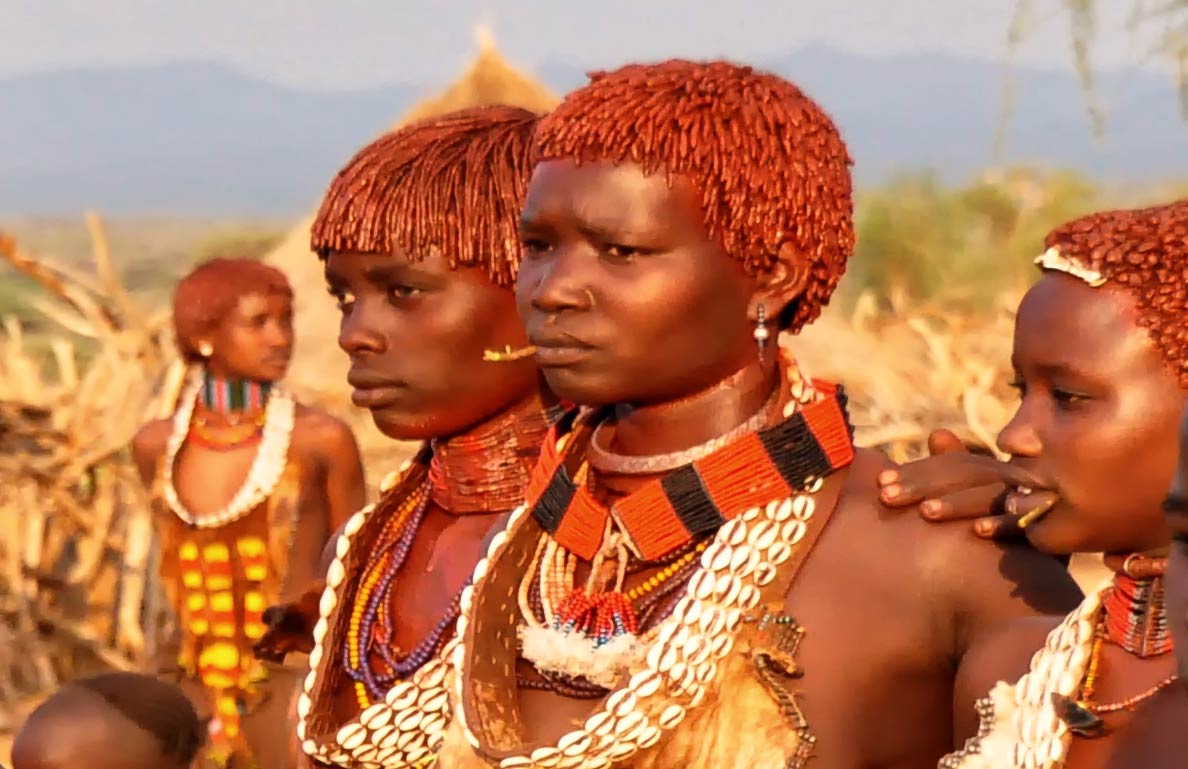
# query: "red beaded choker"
487,469
1135,616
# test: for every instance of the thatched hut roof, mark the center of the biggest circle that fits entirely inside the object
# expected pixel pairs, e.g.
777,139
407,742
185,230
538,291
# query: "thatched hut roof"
319,367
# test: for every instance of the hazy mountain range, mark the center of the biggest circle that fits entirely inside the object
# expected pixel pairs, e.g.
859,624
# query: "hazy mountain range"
202,139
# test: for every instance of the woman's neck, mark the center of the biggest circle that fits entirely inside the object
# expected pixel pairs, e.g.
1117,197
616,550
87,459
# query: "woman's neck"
1135,614
228,399
695,419
486,468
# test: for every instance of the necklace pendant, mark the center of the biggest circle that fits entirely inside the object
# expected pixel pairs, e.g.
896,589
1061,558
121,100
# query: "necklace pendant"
1079,717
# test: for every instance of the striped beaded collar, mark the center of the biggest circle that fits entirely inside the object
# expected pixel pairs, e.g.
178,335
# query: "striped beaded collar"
673,510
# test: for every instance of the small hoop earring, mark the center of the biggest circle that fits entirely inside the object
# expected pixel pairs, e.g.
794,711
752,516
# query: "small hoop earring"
761,333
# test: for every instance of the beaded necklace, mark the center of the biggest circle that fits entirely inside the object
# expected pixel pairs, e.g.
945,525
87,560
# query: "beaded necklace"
233,396
373,604
401,696
1135,616
1030,724
661,516
264,473
747,562
232,436
488,467
669,512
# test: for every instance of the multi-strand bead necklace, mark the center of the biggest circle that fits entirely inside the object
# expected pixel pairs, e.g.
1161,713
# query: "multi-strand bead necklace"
266,468
751,502
1030,724
401,695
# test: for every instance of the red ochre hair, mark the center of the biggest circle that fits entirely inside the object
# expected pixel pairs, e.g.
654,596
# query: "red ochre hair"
1145,252
454,183
770,166
212,290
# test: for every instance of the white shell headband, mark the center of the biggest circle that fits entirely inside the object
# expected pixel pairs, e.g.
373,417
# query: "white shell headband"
1052,259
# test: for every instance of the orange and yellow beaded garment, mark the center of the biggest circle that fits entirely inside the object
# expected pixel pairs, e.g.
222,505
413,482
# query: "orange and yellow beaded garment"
219,581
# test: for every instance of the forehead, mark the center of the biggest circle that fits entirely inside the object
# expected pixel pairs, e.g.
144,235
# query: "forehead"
604,194
256,302
379,270
1063,320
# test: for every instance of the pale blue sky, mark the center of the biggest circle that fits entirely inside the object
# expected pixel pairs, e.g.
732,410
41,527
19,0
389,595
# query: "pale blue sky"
357,43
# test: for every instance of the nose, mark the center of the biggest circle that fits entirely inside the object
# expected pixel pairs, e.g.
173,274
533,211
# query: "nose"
280,334
358,332
558,282
1021,436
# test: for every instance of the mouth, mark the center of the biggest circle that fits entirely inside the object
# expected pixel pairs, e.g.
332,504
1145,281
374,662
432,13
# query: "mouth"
559,349
1028,504
277,361
374,394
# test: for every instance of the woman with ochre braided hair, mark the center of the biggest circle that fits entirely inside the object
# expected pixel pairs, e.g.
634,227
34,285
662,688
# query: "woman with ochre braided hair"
700,577
1102,370
418,234
247,486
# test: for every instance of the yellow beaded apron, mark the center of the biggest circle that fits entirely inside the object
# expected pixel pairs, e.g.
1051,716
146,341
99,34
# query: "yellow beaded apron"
219,581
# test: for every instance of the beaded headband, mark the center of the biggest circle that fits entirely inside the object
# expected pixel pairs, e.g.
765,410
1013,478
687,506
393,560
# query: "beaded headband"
1052,259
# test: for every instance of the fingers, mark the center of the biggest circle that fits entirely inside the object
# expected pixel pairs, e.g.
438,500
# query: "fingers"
998,527
937,477
945,442
964,504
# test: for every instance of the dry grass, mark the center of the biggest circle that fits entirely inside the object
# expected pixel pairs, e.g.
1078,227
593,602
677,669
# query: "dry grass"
77,585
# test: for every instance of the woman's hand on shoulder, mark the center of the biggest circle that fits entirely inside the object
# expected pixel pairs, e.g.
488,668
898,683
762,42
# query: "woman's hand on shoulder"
954,484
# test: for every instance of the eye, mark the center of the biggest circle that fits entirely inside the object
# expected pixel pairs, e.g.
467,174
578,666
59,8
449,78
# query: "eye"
1018,385
619,252
534,246
403,292
344,300
1066,399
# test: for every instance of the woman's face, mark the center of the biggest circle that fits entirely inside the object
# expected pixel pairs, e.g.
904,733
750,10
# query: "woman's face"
622,291
415,332
255,340
1097,418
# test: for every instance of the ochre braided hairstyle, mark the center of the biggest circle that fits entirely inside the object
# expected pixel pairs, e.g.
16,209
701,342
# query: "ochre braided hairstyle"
453,183
211,291
770,166
1144,252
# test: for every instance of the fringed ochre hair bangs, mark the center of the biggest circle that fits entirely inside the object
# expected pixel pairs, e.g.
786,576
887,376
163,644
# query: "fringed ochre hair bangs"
454,183
770,166
1145,253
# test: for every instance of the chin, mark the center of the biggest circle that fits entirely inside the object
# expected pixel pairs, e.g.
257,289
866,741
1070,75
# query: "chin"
571,384
404,427
274,374
1060,533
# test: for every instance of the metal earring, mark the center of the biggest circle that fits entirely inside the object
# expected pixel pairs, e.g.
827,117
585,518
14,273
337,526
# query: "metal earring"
761,333
205,349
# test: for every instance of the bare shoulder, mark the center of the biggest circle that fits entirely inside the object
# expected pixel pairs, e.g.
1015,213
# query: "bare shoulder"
150,440
1002,654
981,583
148,446
321,432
